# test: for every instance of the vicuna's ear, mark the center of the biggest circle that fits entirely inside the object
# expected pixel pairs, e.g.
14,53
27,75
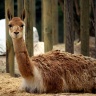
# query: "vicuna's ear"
9,15
23,14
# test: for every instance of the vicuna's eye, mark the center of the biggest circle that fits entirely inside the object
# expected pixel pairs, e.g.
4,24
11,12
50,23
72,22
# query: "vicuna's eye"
10,25
22,25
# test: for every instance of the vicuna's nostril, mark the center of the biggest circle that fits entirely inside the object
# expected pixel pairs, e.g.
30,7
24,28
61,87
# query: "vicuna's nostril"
16,33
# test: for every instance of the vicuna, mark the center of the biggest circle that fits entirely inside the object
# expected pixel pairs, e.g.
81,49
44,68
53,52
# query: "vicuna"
53,71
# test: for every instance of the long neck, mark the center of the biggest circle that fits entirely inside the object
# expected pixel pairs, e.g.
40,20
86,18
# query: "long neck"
19,45
23,60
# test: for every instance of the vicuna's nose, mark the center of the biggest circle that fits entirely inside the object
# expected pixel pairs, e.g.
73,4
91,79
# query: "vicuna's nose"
16,33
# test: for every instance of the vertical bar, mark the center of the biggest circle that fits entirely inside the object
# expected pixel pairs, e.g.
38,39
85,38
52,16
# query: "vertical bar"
34,13
55,21
42,18
84,26
20,6
9,4
68,26
28,4
47,24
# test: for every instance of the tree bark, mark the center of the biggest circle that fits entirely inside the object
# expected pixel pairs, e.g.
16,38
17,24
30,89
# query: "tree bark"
34,13
77,7
20,6
9,4
84,26
42,30
47,24
95,25
55,21
68,26
28,4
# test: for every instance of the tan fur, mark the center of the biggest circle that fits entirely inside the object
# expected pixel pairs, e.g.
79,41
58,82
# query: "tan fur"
53,71
65,72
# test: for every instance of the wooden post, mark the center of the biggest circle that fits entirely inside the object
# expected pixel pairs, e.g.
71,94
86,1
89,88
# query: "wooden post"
34,12
29,25
20,6
9,45
42,18
47,24
84,26
55,21
68,26
95,25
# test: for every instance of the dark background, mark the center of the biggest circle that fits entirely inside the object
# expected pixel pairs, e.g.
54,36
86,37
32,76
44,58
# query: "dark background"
38,17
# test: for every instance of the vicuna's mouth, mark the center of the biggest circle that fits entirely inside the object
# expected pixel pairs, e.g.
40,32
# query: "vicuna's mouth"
16,36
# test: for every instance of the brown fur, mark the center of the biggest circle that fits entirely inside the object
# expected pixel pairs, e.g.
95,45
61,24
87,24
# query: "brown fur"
77,71
58,72
22,57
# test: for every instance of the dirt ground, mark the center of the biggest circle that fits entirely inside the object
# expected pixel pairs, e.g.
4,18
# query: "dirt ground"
9,86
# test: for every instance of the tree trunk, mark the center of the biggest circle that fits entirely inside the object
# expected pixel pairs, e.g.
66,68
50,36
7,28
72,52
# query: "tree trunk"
29,25
20,6
9,45
34,13
68,26
84,26
95,26
55,21
42,18
47,24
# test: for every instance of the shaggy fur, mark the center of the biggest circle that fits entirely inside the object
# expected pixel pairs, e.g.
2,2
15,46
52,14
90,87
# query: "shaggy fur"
65,72
53,71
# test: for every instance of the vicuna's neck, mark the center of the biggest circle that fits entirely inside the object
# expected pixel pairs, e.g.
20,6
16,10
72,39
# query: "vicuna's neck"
22,57
19,45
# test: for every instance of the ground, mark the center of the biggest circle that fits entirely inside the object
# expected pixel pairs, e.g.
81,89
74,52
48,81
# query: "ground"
9,86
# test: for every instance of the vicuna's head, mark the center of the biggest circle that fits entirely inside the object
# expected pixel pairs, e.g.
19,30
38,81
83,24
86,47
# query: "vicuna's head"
16,25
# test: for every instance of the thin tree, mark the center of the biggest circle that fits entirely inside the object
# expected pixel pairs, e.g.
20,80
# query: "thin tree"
34,13
55,21
42,18
29,25
20,6
47,24
68,26
95,24
9,4
84,26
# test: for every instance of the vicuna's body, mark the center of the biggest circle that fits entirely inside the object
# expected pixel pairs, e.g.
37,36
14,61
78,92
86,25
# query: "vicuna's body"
53,71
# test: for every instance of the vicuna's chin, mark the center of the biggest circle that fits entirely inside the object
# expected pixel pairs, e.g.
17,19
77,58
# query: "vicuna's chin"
15,36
